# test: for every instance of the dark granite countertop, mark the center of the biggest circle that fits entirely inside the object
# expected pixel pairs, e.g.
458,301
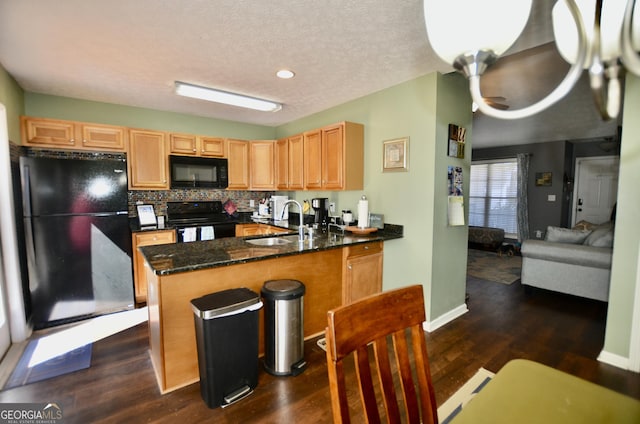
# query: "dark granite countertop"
174,258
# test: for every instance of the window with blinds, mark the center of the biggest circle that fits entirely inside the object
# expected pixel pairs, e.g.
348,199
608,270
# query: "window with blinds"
493,195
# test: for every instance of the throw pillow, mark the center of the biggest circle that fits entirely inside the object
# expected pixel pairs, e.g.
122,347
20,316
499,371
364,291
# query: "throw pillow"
583,225
600,237
565,235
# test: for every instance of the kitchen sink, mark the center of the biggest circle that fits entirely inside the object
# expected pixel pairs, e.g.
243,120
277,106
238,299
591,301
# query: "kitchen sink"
273,241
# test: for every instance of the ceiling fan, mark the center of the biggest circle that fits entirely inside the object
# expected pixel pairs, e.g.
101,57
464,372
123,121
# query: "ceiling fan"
495,102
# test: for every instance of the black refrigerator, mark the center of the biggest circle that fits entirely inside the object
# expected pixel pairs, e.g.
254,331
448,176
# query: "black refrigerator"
77,238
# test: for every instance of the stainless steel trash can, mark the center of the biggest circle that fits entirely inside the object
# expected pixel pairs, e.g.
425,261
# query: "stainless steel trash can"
283,327
226,325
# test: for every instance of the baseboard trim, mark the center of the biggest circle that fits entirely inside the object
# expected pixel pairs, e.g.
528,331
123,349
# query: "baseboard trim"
445,318
614,359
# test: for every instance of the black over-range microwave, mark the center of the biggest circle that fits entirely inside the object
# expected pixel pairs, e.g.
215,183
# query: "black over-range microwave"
198,172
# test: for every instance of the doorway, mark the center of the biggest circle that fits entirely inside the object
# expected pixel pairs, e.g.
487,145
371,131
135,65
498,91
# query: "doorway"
596,189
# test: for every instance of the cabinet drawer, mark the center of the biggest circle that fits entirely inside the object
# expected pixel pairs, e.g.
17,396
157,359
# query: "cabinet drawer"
155,237
364,249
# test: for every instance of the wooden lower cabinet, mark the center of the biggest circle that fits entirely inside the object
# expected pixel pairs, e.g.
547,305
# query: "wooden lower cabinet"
172,338
146,238
362,271
328,275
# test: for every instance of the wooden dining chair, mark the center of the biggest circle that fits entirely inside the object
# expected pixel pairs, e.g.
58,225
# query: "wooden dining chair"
370,328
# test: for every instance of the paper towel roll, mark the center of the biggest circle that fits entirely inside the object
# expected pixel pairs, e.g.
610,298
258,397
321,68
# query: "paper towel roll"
363,213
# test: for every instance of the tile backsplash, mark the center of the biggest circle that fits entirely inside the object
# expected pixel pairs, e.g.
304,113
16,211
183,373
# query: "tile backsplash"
159,198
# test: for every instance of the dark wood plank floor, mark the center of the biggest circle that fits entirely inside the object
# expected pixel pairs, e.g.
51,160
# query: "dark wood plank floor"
502,323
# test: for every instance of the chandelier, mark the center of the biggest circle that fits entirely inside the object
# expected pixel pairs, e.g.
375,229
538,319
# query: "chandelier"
601,36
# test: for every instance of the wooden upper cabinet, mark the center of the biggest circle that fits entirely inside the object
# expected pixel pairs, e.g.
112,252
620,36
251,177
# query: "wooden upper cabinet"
333,161
103,137
43,132
262,165
282,164
296,162
48,132
147,160
290,163
238,157
212,146
313,159
328,151
195,145
183,144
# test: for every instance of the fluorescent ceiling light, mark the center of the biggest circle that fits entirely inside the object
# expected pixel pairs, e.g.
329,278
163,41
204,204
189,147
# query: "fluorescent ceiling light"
213,95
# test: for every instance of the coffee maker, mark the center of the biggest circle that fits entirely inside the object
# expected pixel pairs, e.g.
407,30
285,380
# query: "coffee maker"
320,206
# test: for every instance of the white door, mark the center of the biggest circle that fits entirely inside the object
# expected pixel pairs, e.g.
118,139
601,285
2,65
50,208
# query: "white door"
596,189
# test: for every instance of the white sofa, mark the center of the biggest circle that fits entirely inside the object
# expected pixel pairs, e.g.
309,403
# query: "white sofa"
576,262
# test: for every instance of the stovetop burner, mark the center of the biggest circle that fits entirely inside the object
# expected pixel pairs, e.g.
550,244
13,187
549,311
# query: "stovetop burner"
192,213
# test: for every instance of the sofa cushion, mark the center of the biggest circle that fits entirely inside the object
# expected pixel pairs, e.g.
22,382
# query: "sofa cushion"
600,237
565,235
596,257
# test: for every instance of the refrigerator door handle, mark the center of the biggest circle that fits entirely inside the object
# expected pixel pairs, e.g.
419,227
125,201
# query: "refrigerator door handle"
31,253
26,190
28,228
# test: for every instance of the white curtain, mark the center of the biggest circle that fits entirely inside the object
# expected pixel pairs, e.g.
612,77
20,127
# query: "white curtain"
523,205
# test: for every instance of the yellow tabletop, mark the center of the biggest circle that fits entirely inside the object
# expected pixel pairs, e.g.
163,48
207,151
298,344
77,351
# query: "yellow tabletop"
528,392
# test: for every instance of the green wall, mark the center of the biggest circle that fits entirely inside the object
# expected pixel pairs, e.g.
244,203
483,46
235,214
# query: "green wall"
626,249
450,243
45,106
420,109
12,96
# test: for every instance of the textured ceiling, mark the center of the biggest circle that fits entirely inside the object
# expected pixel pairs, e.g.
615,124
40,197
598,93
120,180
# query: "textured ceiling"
130,52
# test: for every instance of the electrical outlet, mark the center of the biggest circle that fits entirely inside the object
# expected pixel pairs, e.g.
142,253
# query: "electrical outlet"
538,234
332,207
252,203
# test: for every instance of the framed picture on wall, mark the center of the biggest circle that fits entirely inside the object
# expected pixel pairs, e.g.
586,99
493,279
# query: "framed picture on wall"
456,141
544,178
395,155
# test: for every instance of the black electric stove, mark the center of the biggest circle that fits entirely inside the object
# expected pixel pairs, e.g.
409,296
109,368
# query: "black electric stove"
196,221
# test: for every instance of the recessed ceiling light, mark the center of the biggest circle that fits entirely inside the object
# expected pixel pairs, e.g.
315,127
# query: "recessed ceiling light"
285,74
218,96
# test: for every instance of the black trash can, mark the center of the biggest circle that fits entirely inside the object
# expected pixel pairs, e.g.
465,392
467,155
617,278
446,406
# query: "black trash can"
227,338
283,327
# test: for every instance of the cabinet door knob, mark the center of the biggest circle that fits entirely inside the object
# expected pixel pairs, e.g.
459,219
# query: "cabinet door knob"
72,141
366,248
349,266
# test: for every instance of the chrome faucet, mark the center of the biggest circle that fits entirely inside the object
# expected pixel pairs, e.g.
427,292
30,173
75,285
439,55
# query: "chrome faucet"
301,226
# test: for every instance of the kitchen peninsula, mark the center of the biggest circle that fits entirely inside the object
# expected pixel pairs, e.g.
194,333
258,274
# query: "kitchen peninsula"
335,268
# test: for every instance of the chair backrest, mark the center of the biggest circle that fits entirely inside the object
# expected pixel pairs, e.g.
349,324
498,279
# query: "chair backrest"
389,320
